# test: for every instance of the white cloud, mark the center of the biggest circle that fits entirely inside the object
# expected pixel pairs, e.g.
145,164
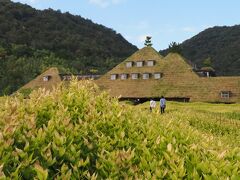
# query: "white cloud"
142,38
29,1
104,3
100,3
136,26
116,1
173,29
189,29
142,25
32,1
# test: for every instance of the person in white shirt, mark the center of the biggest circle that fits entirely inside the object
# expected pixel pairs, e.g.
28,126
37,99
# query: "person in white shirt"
152,105
162,104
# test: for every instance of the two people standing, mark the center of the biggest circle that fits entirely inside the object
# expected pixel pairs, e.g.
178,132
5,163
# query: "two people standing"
162,104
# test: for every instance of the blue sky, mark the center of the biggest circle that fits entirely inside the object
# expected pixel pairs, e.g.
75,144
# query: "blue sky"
165,20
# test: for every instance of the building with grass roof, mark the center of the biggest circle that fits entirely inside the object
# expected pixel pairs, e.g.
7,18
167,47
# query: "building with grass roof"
148,75
51,78
47,80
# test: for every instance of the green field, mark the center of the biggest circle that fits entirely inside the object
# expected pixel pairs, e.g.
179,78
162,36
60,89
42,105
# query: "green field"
81,133
218,120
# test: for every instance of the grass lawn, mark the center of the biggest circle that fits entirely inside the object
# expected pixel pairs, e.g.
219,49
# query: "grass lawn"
221,121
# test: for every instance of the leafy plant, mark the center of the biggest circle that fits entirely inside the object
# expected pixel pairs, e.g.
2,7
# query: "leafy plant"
78,132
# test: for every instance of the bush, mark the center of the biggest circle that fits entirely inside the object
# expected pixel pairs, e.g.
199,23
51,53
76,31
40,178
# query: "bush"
25,92
81,133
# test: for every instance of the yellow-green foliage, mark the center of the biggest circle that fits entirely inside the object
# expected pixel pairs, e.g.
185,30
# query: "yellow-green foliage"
81,133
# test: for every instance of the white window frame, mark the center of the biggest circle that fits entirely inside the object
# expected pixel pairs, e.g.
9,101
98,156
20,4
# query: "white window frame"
129,64
157,75
46,78
225,94
139,64
113,76
135,76
146,76
150,63
124,76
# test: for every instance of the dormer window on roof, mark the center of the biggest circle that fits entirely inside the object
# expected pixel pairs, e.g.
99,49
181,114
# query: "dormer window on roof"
129,64
46,78
150,63
225,94
135,75
140,64
157,75
113,76
146,75
124,76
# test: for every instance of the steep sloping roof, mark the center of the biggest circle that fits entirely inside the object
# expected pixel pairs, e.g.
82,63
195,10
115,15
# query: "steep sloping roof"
38,82
179,80
147,53
173,67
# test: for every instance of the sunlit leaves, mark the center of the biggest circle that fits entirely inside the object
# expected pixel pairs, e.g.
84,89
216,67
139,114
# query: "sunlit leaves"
81,133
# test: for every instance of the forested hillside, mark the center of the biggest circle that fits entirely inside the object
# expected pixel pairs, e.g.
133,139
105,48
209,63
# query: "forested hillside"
32,40
220,44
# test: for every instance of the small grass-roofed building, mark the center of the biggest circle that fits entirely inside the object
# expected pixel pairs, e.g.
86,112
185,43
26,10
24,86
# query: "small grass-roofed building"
47,80
51,78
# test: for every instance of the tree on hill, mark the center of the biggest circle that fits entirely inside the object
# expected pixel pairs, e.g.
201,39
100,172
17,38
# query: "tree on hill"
175,48
222,44
32,40
3,52
148,41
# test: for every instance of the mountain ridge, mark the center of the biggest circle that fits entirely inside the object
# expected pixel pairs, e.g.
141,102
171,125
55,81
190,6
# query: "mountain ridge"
219,43
75,44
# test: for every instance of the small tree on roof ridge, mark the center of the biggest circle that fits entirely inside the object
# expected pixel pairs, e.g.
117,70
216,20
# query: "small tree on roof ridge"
148,41
175,48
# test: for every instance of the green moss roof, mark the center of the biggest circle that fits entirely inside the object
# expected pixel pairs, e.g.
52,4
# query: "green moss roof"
179,79
39,83
210,69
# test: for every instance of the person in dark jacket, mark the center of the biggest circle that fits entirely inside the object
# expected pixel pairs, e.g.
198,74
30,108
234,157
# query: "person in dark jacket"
162,104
